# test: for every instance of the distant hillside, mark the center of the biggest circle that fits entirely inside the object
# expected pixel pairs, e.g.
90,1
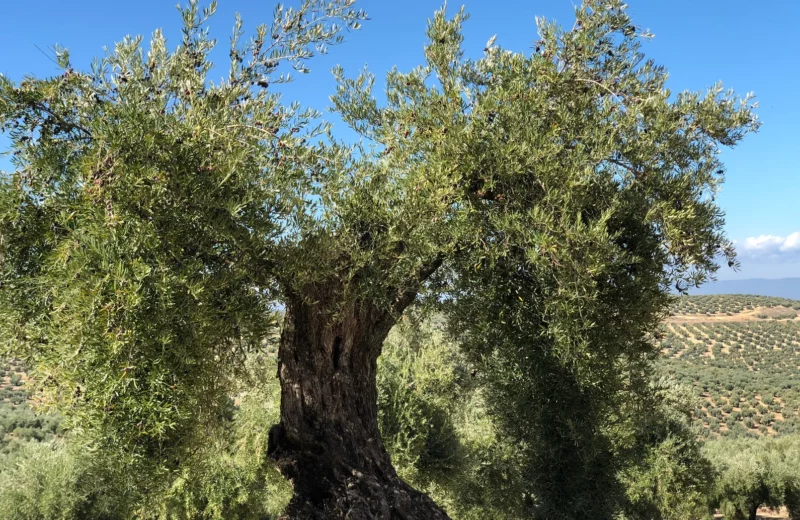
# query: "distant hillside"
782,287
18,422
741,355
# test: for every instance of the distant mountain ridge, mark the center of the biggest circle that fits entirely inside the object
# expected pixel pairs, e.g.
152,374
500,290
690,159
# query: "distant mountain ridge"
780,287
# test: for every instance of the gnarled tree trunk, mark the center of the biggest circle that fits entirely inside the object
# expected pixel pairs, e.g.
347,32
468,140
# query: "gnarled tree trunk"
328,443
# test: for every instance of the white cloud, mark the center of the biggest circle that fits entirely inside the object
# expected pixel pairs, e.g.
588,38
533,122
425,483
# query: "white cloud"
771,248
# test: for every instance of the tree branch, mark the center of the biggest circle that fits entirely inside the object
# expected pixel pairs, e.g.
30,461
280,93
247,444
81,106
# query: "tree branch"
61,121
636,173
426,270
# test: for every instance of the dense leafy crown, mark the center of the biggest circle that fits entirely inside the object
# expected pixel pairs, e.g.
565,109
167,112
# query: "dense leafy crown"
155,219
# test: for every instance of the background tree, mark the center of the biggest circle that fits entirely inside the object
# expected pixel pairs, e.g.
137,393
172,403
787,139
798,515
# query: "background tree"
155,220
435,424
665,474
748,479
754,474
41,481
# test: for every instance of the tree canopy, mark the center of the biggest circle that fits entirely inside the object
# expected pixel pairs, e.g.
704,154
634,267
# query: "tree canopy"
545,203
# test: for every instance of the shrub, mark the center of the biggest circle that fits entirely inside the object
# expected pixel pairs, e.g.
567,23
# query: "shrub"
40,481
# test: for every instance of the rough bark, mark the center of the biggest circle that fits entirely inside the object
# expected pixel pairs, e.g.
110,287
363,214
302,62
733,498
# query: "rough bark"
328,443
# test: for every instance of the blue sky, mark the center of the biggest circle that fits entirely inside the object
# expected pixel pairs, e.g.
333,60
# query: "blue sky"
750,46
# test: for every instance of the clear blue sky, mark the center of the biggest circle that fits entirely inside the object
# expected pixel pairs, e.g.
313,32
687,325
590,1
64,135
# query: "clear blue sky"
750,46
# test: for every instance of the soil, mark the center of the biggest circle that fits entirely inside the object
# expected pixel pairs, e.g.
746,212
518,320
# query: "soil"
748,315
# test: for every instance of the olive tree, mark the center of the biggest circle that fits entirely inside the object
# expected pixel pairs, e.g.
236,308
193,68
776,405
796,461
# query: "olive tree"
666,474
155,220
755,473
749,477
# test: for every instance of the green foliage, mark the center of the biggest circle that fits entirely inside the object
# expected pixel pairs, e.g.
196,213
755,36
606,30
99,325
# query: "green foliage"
231,475
666,476
420,392
435,425
670,483
755,473
442,438
42,481
228,476
429,392
565,273
136,228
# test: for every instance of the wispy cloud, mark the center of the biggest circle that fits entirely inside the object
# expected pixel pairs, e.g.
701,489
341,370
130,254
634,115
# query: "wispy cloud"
771,248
